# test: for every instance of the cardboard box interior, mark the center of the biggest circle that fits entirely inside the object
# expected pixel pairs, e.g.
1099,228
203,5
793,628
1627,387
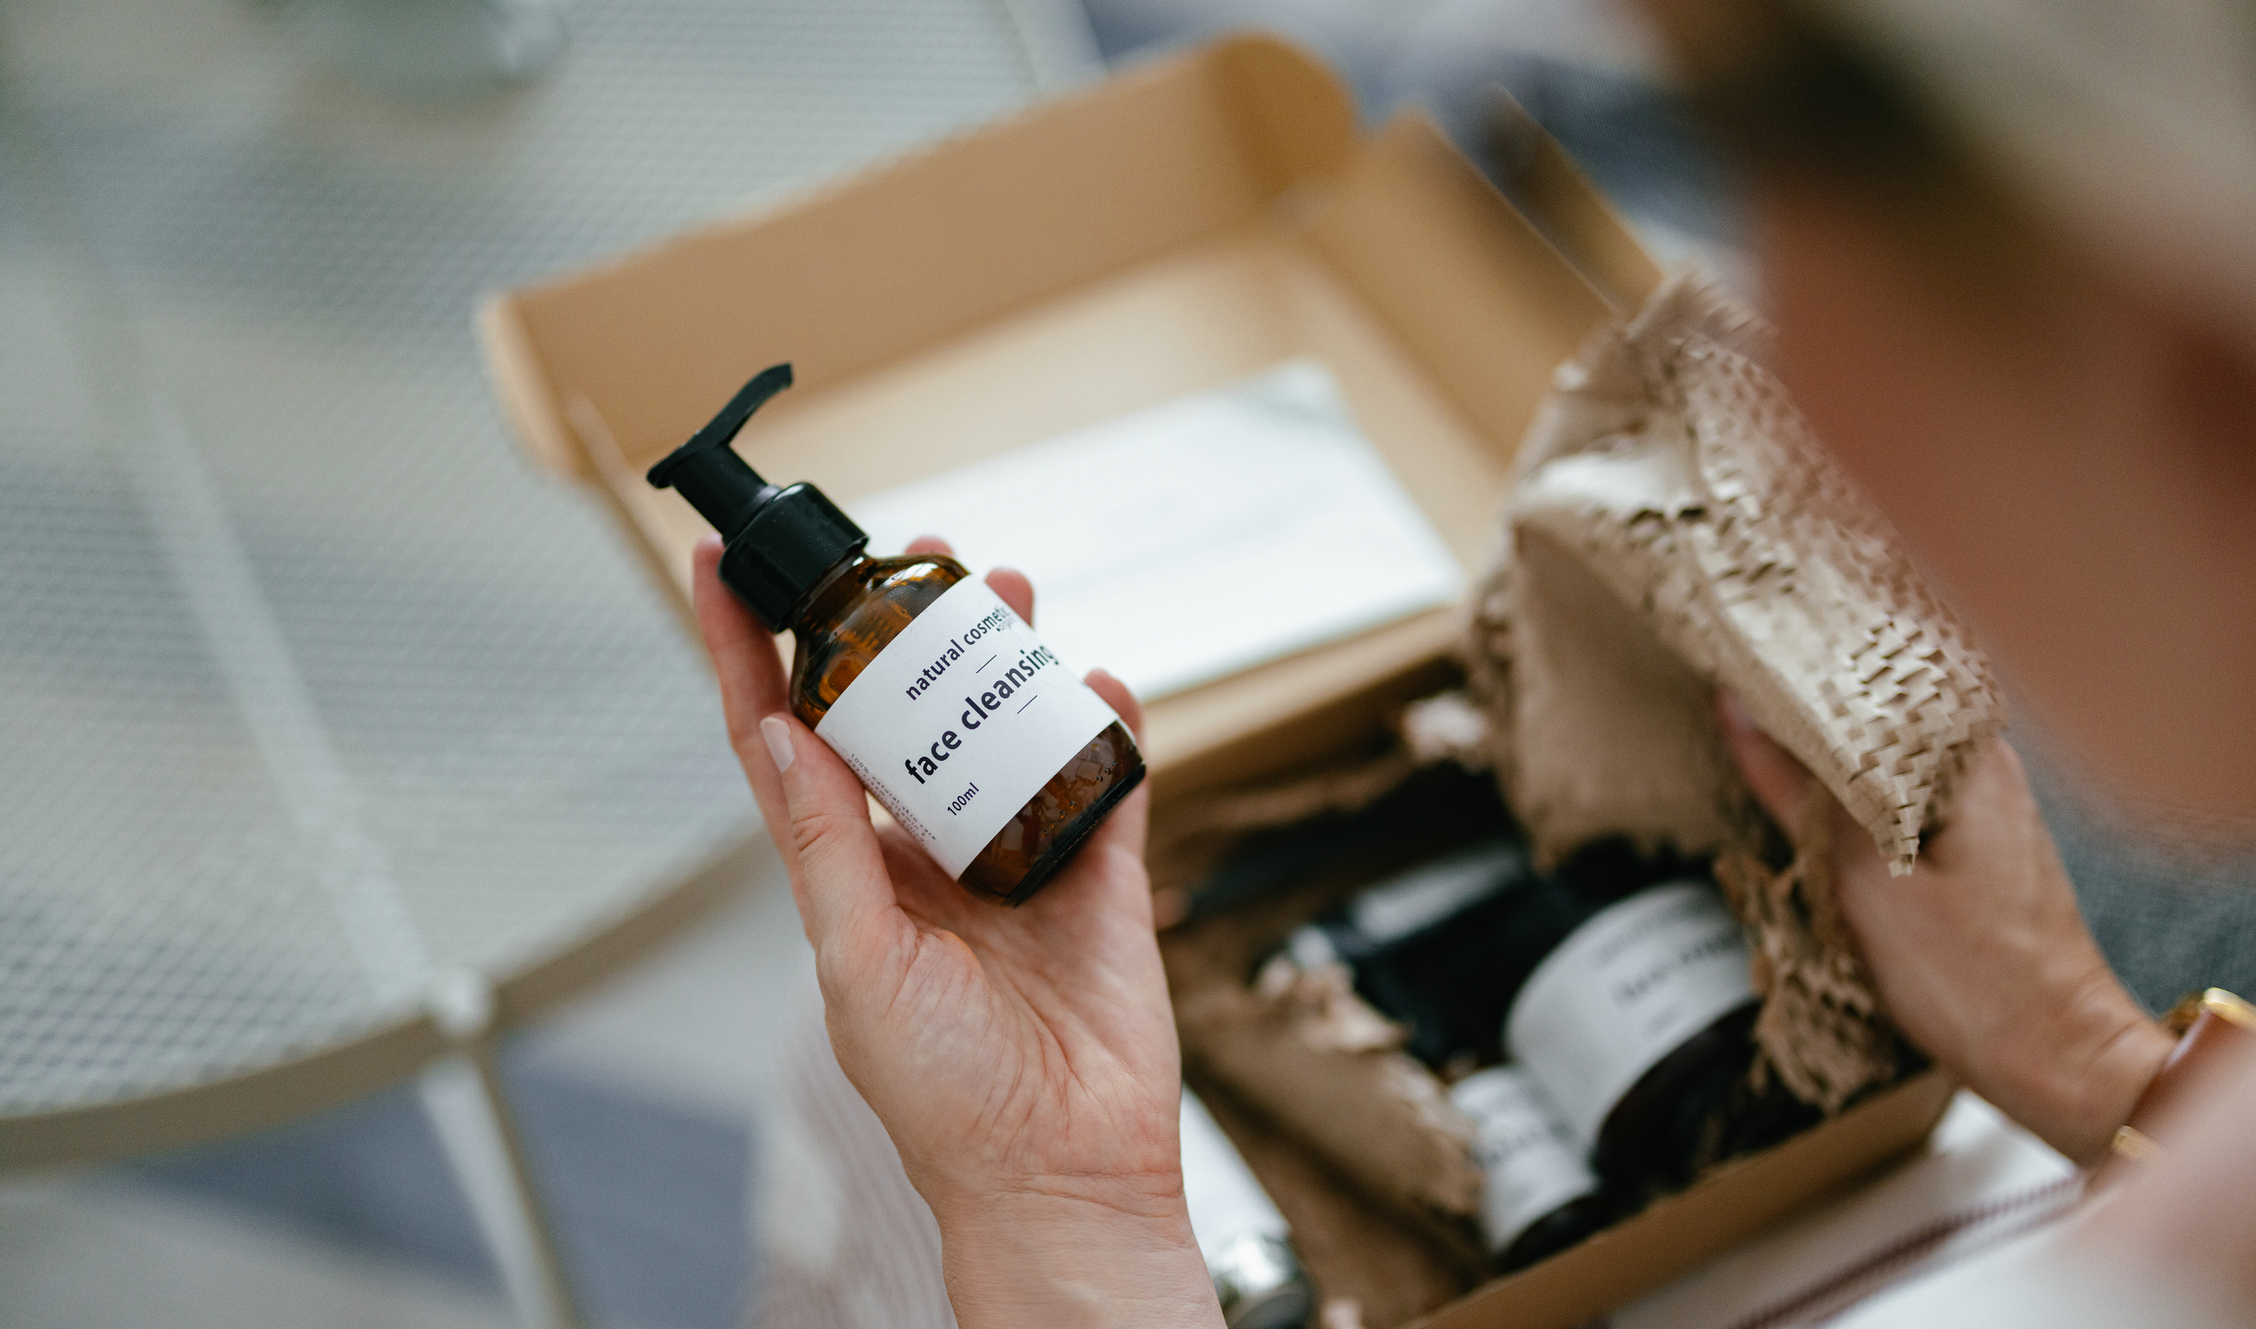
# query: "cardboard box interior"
1367,1246
1167,233
1174,229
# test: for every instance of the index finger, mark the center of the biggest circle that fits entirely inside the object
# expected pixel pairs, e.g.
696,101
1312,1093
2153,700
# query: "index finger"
1777,781
750,669
1009,584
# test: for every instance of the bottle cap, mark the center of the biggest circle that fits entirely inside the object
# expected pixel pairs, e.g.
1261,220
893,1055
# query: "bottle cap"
1261,1285
780,540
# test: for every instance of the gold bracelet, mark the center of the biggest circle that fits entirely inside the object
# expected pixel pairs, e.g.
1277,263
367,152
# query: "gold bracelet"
2211,1026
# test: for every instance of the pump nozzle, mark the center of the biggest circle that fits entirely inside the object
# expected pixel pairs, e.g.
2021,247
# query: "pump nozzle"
780,540
707,470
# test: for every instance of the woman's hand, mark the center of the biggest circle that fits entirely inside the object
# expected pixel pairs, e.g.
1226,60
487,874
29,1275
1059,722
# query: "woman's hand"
1981,954
1023,1060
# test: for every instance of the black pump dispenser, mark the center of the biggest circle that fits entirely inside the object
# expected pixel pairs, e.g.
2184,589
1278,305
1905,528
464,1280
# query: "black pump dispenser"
780,540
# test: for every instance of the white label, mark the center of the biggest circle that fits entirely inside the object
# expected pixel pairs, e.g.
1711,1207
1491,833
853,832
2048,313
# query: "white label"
960,720
1530,1163
1225,1201
1625,990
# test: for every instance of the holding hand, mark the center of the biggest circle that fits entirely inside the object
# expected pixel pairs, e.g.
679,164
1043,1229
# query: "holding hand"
1023,1060
1981,955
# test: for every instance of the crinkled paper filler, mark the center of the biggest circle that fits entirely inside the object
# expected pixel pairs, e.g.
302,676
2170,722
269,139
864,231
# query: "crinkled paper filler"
1673,528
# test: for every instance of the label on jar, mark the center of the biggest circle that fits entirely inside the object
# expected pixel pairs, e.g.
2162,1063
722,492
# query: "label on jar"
1623,991
960,720
1530,1162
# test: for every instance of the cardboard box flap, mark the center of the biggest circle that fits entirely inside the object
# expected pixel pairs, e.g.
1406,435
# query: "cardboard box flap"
1177,228
1721,1210
1477,294
1548,185
527,393
938,243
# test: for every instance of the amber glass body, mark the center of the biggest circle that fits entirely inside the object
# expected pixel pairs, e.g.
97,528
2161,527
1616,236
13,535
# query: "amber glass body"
1697,1105
856,612
1676,1118
1562,1229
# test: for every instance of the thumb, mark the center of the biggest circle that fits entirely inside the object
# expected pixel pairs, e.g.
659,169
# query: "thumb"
842,878
1777,781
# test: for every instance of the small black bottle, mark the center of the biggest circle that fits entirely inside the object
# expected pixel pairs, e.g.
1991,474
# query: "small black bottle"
1421,948
1540,1196
1628,998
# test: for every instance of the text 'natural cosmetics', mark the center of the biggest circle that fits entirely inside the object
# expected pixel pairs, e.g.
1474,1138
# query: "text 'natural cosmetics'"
970,731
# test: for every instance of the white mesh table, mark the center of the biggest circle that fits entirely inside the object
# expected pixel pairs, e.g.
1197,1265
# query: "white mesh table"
333,740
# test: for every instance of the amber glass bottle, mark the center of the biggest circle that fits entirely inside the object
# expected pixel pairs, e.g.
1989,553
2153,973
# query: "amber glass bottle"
854,614
964,725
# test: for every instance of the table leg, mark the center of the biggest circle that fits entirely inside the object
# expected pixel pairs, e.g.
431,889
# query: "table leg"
470,1109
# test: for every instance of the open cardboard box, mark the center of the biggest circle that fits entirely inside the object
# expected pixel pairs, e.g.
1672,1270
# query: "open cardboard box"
1167,232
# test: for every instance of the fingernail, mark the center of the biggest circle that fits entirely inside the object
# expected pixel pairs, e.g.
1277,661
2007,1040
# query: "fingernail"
1170,905
1735,717
778,736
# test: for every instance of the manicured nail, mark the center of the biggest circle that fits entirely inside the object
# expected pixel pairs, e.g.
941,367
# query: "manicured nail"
1735,717
778,735
1170,905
